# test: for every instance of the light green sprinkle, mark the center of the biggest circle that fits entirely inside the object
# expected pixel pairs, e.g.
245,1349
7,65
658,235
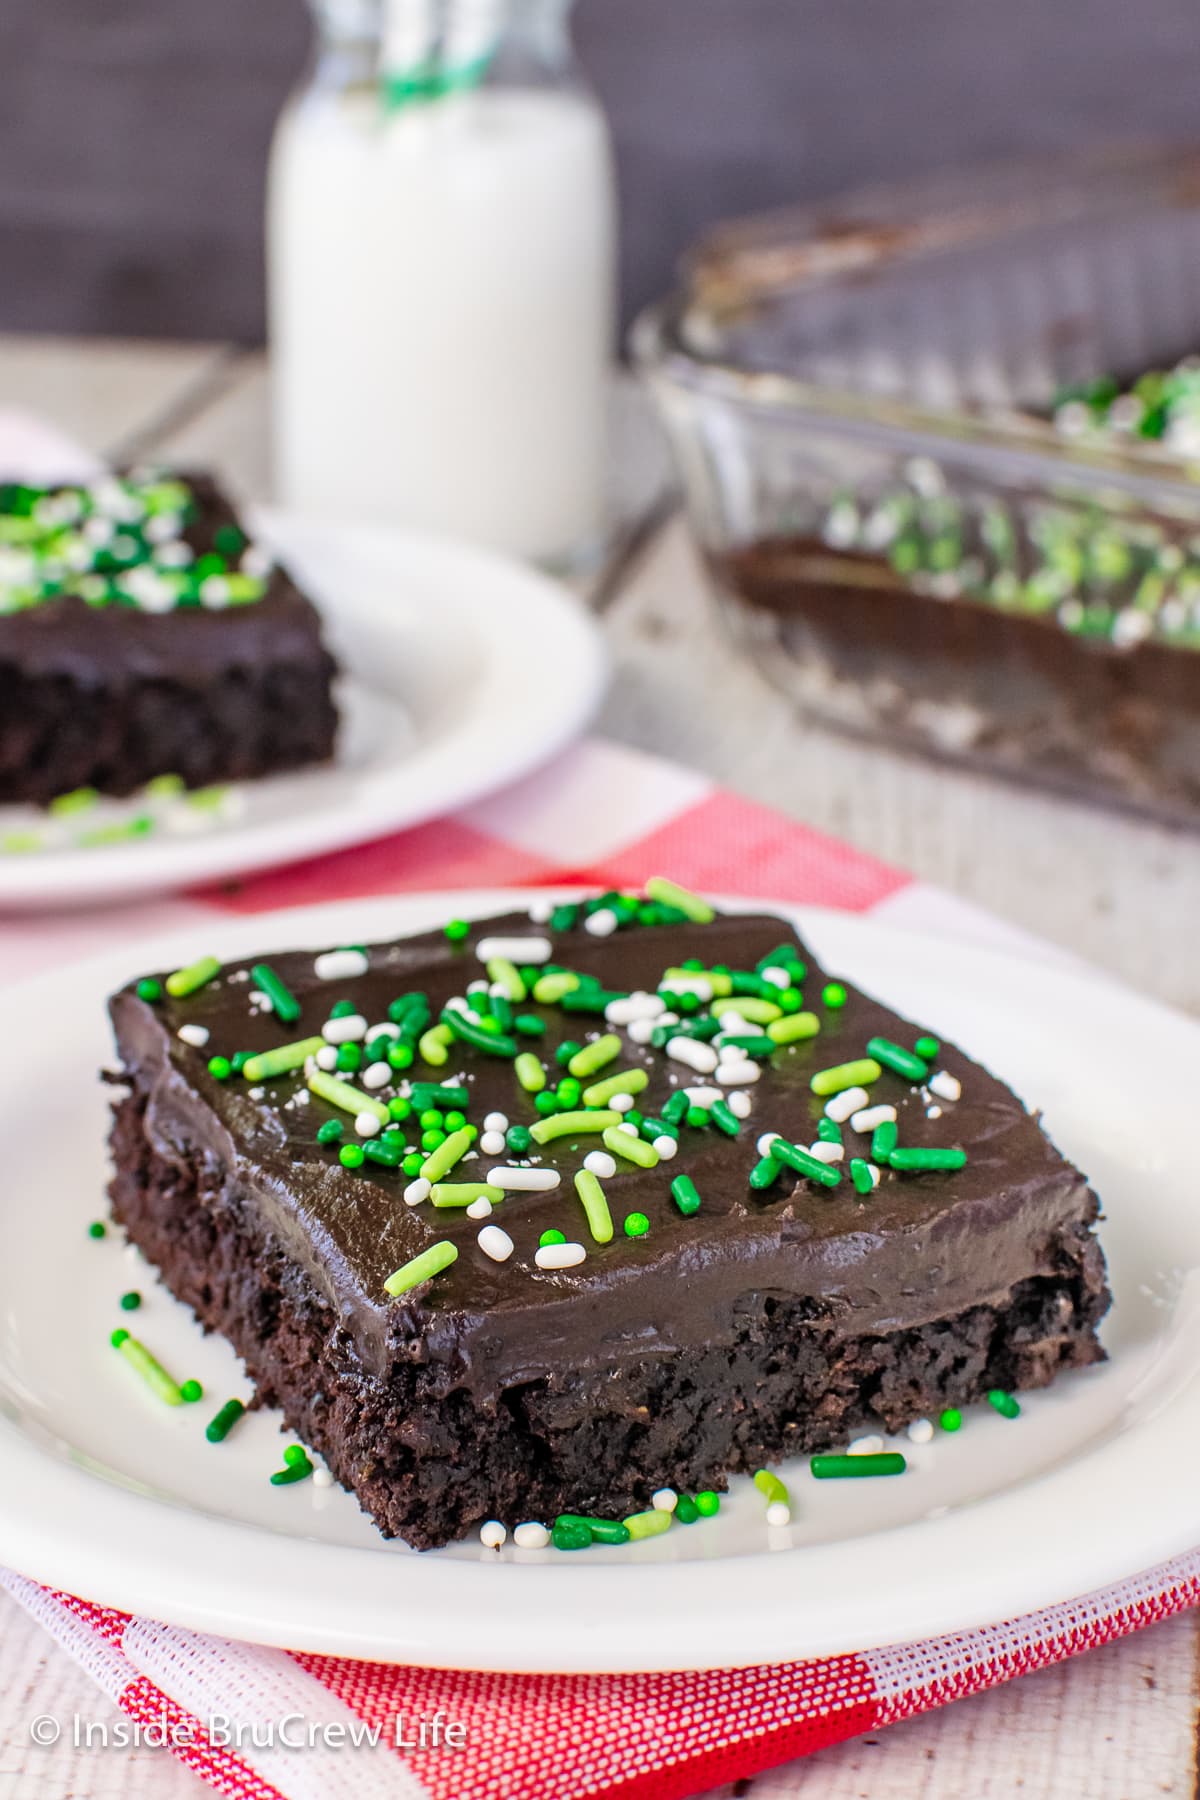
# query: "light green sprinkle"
421,1268
282,1060
463,1193
564,1124
771,1488
529,1072
755,1012
669,893
193,978
506,975
548,990
793,1027
77,801
431,1047
595,1056
349,1098
148,1367
647,1524
845,1075
595,1206
626,1081
452,1149
633,1149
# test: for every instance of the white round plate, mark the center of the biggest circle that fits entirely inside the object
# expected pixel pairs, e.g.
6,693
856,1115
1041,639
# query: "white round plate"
463,670
110,1494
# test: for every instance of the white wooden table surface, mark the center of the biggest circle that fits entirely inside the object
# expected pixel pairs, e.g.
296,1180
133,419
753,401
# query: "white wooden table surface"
1117,1725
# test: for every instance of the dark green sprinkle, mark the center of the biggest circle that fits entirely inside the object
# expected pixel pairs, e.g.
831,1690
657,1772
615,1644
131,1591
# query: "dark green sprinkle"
351,1156
917,1161
636,1225
457,930
564,917
349,1059
840,1468
518,1139
222,1422
590,1000
696,1117
330,1132
388,1151
571,1537
951,1419
297,1471
435,1093
1004,1403
97,1229
708,1503
402,1005
546,1102
494,1043
884,1139
652,1128
829,1131
685,1195
898,1059
724,1119
753,1046
675,1111
764,1173
191,1390
811,1167
833,995
605,1531
131,1301
149,990
284,1003
529,1025
686,1511
342,1009
566,1050
860,1175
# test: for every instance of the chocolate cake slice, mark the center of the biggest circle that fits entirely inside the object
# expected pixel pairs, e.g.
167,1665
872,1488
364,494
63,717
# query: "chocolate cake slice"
537,1215
142,634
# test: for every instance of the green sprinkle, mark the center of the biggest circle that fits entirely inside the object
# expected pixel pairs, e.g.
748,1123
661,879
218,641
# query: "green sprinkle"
844,1075
590,1000
626,1081
685,1195
292,1472
546,1103
444,1095
793,1028
811,1167
551,1237
751,1046
452,1148
349,1099
149,990
330,1132
928,1047
696,1117
284,1003
647,1524
430,1262
457,930
529,1025
529,1072
724,1119
567,1124
518,1138
352,1156
840,1468
97,1229
686,1511
917,1161
669,893
295,1453
494,1043
548,990
884,1139
594,1056
148,1367
464,1193
898,1059
576,1536
282,1060
829,1131
951,1419
131,1301
568,1094
708,1503
349,1059
595,1206
636,1225
387,1151
604,1531
193,978
1004,1403
771,1487
191,1390
833,996
860,1175
222,1422
632,1149
764,1173
676,1108
505,974
220,1068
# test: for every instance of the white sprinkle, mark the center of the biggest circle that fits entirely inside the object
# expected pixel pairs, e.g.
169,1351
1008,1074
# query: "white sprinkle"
873,1172
478,987
621,1103
699,985
849,1101
493,1534
321,1478
492,1143
540,911
514,949
933,1112
495,1243
214,591
530,1180
733,1025
496,1121
777,977
377,1075
256,1093
666,1147
665,1500
641,1031
480,1209
262,1001
827,1153
779,1513
196,1035
945,1085
632,1007
627,1128
739,1074
765,1141
698,1056
601,1164
602,923
740,1105
871,1116
702,1096
531,1536
384,1029
865,1446
366,1125
327,1058
559,1256
921,1431
416,1191
339,965
347,1030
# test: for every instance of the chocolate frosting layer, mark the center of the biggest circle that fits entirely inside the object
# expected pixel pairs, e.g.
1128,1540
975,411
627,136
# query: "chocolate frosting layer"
918,1248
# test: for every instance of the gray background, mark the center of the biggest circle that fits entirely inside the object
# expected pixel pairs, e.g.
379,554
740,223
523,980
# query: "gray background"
133,133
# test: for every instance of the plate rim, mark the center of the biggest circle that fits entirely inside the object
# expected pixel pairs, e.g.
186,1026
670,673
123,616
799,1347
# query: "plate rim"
564,631
763,1631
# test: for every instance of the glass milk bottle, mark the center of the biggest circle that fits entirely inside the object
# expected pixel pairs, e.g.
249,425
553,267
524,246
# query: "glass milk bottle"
441,251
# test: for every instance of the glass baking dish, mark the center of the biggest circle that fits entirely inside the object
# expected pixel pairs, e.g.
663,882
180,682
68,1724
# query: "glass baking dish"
866,408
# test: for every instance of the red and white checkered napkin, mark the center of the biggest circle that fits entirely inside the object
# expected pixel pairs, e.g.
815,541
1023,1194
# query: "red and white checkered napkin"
601,816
